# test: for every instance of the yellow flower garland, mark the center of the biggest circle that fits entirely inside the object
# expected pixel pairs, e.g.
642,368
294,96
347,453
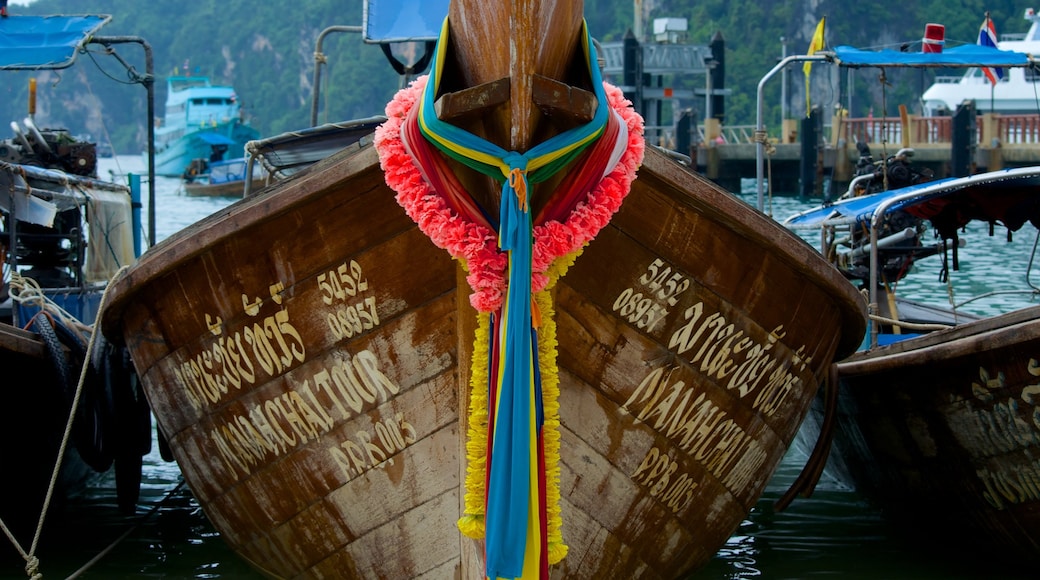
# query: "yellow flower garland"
471,523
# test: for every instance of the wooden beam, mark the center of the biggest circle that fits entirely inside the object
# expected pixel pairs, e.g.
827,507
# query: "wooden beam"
15,339
554,98
560,99
473,101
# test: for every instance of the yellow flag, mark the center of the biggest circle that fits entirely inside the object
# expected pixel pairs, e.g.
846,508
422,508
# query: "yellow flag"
815,45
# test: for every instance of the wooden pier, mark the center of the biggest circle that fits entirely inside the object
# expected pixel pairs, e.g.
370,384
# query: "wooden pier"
727,155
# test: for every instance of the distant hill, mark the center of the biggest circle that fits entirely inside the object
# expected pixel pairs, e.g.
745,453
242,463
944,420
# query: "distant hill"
266,51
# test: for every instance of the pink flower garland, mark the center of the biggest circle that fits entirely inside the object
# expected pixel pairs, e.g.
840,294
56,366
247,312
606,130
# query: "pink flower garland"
476,245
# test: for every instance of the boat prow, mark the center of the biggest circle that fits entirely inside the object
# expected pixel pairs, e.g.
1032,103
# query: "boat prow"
343,361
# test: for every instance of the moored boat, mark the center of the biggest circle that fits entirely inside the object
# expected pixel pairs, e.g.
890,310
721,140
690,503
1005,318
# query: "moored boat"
202,120
358,381
935,417
1011,94
73,408
226,178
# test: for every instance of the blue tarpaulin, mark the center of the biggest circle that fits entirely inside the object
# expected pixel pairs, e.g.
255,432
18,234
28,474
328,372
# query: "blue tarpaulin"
45,42
971,197
966,55
388,21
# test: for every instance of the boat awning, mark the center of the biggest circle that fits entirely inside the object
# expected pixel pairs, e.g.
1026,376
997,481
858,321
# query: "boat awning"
388,21
213,138
1009,197
288,153
851,210
966,55
45,42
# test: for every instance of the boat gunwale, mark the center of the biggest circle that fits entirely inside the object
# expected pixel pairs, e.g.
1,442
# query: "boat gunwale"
282,197
939,345
763,231
195,239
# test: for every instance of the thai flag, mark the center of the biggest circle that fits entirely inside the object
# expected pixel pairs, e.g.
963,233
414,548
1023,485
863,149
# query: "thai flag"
988,37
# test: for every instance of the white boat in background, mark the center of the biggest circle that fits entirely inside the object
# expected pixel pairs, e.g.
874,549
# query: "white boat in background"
1015,94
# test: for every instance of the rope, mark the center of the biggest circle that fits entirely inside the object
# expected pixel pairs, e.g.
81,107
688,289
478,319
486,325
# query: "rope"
909,325
125,534
32,562
762,137
27,291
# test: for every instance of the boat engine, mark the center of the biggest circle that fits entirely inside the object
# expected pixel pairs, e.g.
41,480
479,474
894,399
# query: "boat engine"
55,148
898,170
54,255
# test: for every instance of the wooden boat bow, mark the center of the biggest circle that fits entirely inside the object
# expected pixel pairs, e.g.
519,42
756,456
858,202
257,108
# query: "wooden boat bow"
543,39
518,97
326,389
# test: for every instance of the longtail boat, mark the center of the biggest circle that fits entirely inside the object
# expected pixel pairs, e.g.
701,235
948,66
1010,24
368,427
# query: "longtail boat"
936,418
73,411
431,355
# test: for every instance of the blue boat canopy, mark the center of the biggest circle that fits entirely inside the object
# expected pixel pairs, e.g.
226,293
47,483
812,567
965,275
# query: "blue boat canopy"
966,55
856,209
45,42
387,21
1007,196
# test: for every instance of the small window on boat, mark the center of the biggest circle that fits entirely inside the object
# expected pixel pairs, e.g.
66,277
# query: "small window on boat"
1032,75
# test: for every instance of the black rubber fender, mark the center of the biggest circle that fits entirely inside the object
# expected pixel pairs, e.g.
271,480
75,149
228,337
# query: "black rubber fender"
59,363
91,433
164,446
131,431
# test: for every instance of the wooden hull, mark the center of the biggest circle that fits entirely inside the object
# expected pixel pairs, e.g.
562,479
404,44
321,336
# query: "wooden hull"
226,189
307,354
942,431
32,425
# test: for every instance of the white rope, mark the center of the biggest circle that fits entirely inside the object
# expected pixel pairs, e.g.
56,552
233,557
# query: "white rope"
27,291
909,325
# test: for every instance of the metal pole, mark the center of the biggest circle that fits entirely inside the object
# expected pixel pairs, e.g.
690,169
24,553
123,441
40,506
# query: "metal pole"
760,126
708,112
149,84
319,59
849,85
783,81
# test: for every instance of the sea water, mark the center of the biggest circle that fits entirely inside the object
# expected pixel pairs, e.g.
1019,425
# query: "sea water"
833,533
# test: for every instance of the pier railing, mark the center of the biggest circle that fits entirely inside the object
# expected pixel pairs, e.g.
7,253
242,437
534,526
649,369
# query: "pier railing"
1008,130
729,154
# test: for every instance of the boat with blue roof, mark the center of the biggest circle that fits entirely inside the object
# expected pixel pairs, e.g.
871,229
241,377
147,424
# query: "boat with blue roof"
201,120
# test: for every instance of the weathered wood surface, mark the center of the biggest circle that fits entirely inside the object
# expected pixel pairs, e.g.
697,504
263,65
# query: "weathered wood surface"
307,351
532,37
314,452
942,430
20,342
205,189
